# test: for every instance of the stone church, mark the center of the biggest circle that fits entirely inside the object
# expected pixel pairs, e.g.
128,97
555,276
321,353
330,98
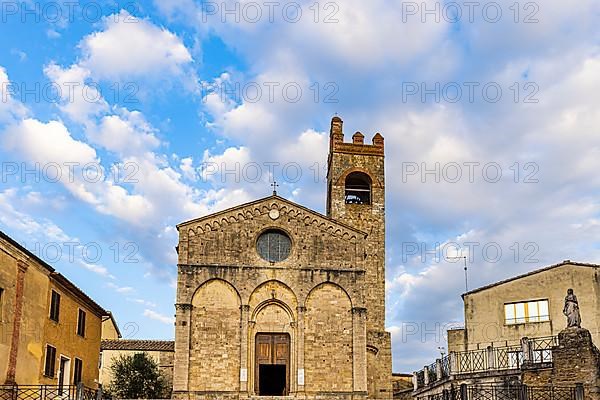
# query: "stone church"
275,299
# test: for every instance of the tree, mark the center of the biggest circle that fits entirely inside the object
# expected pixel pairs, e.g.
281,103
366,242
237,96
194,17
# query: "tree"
137,377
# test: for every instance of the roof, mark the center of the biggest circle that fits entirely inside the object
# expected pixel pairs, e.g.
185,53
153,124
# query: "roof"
537,271
58,277
274,197
141,345
402,374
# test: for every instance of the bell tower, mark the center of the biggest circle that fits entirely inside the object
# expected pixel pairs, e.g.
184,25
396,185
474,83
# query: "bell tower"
356,197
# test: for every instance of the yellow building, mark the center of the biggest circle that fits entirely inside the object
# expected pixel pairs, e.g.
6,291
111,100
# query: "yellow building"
110,329
49,329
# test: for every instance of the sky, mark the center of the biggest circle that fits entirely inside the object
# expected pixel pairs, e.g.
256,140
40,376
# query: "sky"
119,120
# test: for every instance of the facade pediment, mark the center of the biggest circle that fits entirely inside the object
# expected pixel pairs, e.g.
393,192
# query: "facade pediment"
229,237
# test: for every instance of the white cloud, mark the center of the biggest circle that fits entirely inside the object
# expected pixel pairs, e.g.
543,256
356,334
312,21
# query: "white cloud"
227,166
10,108
130,47
47,143
159,317
187,167
97,269
35,229
80,99
142,302
121,289
51,144
127,133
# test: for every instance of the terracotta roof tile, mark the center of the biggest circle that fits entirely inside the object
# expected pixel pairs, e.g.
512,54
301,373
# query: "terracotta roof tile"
142,345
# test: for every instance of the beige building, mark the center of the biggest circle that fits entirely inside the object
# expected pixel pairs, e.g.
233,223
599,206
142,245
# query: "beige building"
514,339
49,329
528,305
161,351
276,299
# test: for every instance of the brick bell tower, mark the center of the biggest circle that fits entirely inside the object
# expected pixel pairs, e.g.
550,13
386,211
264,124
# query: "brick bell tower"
356,197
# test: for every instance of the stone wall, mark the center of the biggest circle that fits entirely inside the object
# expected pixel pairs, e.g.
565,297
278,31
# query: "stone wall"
215,338
328,341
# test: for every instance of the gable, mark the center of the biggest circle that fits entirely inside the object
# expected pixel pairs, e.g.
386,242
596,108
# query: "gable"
229,237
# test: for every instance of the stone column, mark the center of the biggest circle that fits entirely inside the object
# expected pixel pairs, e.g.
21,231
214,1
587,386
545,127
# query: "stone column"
438,368
426,375
526,348
181,360
453,363
17,319
359,349
244,337
300,350
491,359
415,381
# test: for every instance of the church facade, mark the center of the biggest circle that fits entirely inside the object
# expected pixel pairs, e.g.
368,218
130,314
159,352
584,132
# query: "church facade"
274,299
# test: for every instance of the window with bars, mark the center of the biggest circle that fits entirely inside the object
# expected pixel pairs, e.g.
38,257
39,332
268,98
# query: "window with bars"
50,362
77,371
526,312
81,323
55,306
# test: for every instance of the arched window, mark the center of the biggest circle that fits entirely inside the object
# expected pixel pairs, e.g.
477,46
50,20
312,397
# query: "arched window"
358,188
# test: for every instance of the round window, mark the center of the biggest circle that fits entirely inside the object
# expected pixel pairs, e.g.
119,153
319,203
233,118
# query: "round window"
274,245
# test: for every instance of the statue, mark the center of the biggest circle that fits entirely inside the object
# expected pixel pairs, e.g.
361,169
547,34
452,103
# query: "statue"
571,310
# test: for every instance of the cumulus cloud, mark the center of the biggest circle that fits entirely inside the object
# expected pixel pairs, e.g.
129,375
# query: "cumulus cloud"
79,99
129,47
52,145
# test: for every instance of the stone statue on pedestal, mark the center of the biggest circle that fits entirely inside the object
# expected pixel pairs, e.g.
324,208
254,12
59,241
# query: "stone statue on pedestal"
571,310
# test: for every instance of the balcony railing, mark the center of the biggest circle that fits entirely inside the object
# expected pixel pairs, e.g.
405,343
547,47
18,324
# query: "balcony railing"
504,392
47,392
531,352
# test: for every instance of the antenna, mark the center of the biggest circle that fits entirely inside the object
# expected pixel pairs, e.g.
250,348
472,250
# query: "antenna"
442,351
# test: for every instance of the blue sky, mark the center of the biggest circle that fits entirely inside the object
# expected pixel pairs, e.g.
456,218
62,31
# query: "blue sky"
119,120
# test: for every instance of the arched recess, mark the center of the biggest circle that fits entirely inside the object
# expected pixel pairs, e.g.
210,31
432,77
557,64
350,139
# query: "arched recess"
270,290
328,340
357,188
215,338
273,309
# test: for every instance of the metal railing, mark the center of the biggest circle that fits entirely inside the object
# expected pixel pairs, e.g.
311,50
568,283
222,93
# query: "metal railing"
432,372
47,392
445,367
539,351
504,392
